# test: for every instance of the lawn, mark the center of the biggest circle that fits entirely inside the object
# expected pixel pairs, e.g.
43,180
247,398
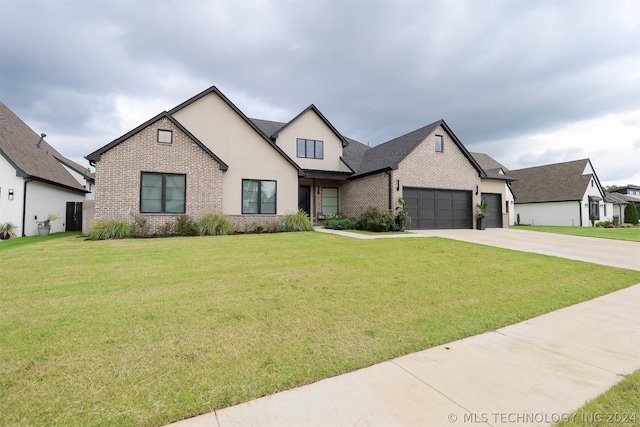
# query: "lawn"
150,331
619,406
632,233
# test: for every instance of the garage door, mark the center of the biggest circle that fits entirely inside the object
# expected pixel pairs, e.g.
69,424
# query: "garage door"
436,209
494,210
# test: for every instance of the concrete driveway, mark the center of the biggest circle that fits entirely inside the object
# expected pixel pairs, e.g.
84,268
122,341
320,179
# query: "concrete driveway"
614,253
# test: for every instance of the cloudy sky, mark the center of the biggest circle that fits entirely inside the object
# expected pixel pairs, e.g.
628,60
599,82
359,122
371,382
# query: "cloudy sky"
528,82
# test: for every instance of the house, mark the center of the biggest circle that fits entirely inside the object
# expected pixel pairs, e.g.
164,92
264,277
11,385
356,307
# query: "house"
617,202
567,193
35,179
631,190
496,192
207,155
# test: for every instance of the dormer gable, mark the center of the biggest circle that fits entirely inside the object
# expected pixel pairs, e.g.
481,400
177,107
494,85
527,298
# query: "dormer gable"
312,142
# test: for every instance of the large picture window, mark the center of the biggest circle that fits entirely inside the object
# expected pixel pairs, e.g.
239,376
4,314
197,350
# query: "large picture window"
162,193
310,149
258,196
329,201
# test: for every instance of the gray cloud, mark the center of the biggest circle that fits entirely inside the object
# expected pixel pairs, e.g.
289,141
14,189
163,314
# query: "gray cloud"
495,71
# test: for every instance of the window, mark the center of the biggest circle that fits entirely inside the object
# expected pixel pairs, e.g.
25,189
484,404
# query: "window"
439,144
258,197
165,136
594,209
310,149
162,193
329,201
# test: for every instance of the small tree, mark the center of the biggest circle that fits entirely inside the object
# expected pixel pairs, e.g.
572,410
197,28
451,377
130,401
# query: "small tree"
631,214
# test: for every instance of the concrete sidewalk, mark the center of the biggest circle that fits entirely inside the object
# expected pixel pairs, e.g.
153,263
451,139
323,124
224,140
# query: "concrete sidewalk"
532,373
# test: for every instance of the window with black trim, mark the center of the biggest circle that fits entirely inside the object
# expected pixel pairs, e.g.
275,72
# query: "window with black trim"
439,144
165,136
329,201
162,193
310,149
258,196
594,209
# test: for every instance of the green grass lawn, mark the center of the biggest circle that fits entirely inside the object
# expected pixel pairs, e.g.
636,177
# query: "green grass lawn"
619,406
150,331
632,234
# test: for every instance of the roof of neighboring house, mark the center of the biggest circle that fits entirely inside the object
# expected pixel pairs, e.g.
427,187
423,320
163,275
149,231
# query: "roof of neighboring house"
557,182
18,146
388,155
620,198
492,168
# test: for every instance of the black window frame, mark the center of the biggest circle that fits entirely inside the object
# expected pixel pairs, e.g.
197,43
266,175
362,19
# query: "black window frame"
317,154
594,209
439,138
163,200
259,212
164,142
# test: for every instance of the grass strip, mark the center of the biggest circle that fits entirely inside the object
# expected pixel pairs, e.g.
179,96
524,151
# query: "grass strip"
631,234
150,331
618,406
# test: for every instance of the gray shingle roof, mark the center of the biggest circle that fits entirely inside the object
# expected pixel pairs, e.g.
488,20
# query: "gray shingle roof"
18,146
551,183
492,167
620,198
268,127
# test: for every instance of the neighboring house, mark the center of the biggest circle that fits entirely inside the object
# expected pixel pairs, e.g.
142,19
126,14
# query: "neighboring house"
617,202
496,192
631,190
567,193
206,155
35,179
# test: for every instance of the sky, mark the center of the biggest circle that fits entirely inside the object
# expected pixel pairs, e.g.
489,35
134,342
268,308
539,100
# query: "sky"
529,82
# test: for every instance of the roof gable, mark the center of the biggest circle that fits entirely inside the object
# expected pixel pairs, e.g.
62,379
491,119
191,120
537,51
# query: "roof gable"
313,108
492,169
18,145
388,155
552,183
95,156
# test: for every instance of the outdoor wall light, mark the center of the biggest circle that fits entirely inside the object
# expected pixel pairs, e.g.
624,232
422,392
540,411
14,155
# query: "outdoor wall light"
476,190
11,194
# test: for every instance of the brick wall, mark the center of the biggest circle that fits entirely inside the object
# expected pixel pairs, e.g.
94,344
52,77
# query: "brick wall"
117,192
421,168
360,194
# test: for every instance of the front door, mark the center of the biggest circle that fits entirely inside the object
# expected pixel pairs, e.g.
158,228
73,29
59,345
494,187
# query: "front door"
304,198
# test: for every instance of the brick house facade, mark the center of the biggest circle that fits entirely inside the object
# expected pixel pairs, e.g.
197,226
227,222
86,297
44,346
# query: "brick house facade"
306,163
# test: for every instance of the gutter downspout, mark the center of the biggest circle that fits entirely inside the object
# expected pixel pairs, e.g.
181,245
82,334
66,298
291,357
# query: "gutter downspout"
390,191
580,211
24,205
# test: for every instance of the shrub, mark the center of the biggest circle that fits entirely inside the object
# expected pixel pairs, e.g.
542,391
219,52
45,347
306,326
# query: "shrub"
342,223
298,221
518,219
213,224
631,214
373,220
185,226
616,220
109,229
140,227
604,224
273,227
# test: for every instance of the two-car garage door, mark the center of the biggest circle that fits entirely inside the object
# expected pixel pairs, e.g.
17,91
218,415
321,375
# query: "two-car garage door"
438,209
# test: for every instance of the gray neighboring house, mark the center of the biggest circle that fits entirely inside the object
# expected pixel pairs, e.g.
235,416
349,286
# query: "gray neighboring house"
35,179
617,202
567,193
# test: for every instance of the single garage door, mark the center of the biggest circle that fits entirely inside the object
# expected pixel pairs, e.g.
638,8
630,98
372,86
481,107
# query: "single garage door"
494,210
437,209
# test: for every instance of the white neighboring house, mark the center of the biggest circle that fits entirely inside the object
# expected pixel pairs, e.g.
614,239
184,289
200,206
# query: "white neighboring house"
567,194
35,179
